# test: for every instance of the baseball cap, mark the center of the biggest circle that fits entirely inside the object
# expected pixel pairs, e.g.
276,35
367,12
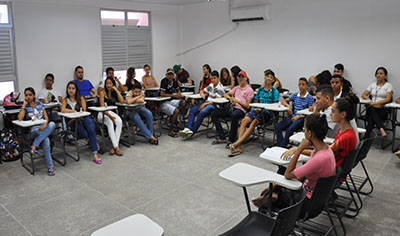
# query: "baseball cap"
176,68
243,73
170,71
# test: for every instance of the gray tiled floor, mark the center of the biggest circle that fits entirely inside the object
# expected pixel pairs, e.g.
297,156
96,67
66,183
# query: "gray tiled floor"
175,183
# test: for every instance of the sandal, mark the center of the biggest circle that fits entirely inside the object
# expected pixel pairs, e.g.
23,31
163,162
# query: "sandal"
98,161
227,145
173,135
50,171
235,153
218,141
112,151
119,152
34,152
153,141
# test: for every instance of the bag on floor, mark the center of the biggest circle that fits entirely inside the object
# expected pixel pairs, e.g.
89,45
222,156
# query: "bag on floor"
10,150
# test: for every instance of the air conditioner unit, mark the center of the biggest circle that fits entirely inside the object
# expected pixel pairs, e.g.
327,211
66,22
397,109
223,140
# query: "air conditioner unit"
242,12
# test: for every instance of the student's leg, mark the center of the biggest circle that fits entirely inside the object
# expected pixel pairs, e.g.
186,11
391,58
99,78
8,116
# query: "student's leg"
47,154
146,113
237,114
139,122
192,115
289,132
370,122
215,116
383,114
118,127
203,113
42,135
110,128
90,126
247,134
278,131
243,125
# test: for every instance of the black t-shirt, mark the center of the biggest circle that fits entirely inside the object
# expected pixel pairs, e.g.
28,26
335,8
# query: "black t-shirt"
130,85
183,76
346,86
169,88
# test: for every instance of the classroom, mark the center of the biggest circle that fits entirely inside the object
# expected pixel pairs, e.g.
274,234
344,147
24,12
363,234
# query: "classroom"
177,117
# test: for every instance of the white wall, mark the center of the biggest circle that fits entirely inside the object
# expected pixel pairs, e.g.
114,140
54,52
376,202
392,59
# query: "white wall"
301,39
56,35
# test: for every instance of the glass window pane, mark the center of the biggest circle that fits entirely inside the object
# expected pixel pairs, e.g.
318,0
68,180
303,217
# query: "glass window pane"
121,75
4,14
138,19
112,18
6,88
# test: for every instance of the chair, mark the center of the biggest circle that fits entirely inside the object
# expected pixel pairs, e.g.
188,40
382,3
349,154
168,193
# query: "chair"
258,224
318,203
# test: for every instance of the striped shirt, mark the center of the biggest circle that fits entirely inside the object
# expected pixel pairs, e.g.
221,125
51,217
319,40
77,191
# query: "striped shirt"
301,103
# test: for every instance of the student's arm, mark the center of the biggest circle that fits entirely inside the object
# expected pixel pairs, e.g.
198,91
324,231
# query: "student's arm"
123,88
285,102
46,118
102,104
277,83
379,104
83,101
137,99
64,108
232,83
398,100
365,95
289,173
60,99
42,100
21,114
202,93
190,80
94,92
120,98
155,81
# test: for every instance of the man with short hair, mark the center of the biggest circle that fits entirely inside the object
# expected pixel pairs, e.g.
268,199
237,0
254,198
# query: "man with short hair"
86,88
49,94
110,73
339,70
337,85
182,76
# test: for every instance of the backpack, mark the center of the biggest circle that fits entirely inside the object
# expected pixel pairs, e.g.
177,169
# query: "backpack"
10,150
10,101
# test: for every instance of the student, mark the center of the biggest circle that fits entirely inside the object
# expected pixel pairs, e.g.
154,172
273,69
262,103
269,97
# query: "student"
240,98
39,133
265,94
108,97
275,81
226,78
85,87
169,88
182,76
110,73
346,85
337,84
206,77
49,94
136,96
148,80
130,80
74,102
214,90
381,93
320,165
324,78
235,72
301,100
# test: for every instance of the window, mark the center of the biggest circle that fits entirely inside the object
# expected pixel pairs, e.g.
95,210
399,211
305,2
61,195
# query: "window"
8,76
126,39
121,75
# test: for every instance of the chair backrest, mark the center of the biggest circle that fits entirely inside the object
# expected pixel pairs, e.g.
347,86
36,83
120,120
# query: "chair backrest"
348,163
287,217
364,148
320,196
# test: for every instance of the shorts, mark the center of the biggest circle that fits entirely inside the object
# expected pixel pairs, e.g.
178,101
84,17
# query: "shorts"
168,107
259,116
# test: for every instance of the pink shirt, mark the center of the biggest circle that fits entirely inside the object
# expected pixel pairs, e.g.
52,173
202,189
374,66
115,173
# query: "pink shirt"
242,94
322,164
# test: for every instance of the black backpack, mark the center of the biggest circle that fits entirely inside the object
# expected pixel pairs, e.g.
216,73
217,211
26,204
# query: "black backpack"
10,150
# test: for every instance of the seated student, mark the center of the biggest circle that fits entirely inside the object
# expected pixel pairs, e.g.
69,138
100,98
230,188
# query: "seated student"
226,78
136,96
85,87
302,100
109,73
214,90
337,84
49,94
240,97
74,102
169,88
235,70
39,133
320,165
346,85
130,80
265,94
206,77
182,76
148,80
275,81
381,93
108,97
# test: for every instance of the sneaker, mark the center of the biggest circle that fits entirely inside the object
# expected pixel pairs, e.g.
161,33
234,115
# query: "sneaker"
188,134
184,132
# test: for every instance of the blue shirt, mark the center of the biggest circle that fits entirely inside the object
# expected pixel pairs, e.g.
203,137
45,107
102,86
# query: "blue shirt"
36,112
84,87
301,103
267,96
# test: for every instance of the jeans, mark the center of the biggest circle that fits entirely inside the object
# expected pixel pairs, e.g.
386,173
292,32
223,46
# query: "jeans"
115,134
291,128
194,126
236,115
43,137
87,129
137,115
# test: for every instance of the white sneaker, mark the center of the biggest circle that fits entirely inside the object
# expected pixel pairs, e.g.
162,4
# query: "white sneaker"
188,134
183,132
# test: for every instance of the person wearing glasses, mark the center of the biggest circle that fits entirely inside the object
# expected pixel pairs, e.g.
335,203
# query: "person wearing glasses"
379,93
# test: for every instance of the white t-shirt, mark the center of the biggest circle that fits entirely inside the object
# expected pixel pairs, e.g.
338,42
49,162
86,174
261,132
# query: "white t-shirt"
217,92
328,112
378,93
48,94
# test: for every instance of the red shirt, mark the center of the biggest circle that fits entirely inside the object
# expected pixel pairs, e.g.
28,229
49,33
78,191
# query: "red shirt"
344,142
206,82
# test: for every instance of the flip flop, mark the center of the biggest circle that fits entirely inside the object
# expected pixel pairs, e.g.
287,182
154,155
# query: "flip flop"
173,135
235,153
97,161
216,142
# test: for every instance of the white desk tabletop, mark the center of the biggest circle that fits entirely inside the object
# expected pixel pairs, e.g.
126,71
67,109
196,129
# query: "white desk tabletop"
194,96
12,111
364,101
51,105
74,115
28,123
187,86
152,89
305,112
274,154
393,105
186,93
101,109
277,106
90,99
131,105
157,99
244,175
298,137
218,100
361,130
135,225
227,89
